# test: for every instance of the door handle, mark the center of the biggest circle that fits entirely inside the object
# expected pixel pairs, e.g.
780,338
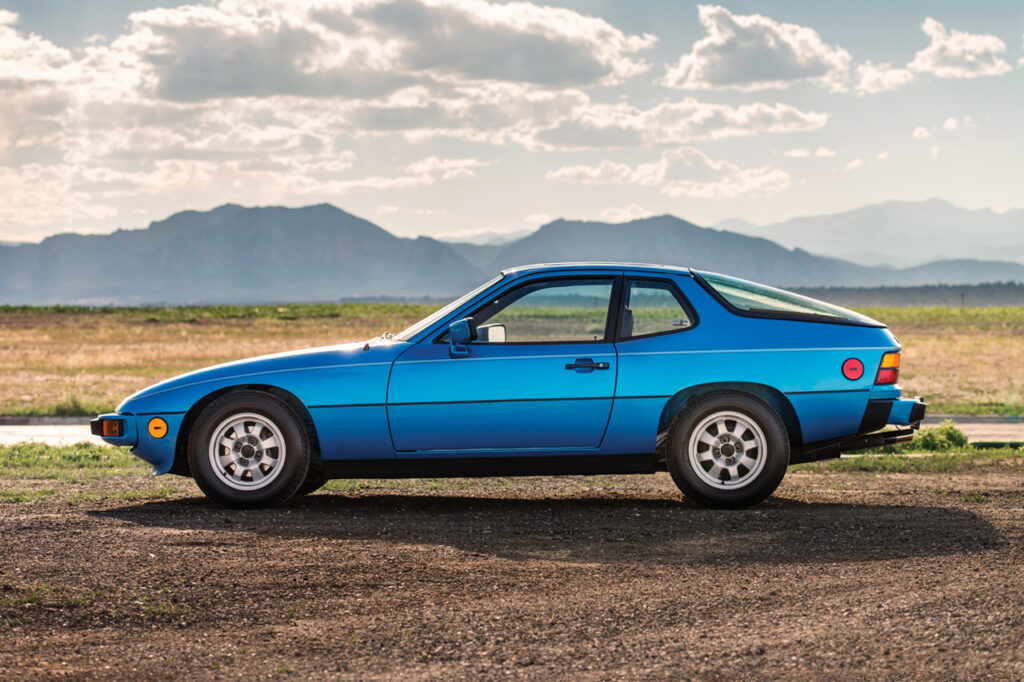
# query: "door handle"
587,365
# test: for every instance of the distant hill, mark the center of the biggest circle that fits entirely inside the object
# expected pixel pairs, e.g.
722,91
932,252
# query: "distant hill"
321,253
233,254
670,240
899,233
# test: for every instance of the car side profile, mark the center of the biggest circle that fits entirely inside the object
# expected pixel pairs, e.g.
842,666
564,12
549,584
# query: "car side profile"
576,368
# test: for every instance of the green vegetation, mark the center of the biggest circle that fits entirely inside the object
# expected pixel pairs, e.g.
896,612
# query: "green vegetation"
970,459
71,406
945,437
946,319
82,460
947,451
45,594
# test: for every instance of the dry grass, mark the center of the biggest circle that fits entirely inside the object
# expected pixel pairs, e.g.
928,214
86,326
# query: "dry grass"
77,361
81,363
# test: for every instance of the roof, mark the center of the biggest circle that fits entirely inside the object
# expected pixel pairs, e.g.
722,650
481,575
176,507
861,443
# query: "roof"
598,265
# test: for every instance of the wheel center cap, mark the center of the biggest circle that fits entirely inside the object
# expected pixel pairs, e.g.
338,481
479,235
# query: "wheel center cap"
248,451
728,450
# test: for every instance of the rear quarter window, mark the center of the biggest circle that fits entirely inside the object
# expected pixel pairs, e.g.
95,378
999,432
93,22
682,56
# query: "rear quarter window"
761,300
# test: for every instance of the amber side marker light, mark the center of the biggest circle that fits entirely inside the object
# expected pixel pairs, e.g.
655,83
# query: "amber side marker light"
113,428
157,427
889,370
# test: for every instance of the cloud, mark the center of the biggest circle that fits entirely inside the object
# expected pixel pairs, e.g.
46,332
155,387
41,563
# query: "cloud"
956,54
671,123
448,169
882,156
874,78
853,165
683,172
625,214
387,209
370,48
950,125
538,218
951,54
754,52
805,153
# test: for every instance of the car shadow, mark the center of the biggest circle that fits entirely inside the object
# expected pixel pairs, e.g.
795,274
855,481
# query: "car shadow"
592,530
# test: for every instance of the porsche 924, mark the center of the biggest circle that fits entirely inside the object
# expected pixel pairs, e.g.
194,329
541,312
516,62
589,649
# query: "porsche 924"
577,368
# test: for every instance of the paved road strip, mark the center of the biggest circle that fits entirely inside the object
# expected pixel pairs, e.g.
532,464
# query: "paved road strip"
67,434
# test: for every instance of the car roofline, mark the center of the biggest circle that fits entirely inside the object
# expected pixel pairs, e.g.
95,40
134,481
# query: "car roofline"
521,270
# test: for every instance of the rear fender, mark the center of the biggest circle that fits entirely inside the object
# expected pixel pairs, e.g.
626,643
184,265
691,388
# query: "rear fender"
774,398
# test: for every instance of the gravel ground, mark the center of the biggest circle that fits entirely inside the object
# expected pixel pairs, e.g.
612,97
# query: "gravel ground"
842,576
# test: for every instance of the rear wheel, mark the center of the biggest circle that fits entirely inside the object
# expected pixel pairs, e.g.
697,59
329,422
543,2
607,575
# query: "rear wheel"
249,449
728,450
314,481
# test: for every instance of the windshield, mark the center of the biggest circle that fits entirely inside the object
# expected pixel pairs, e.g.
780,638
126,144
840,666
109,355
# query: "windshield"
758,298
433,318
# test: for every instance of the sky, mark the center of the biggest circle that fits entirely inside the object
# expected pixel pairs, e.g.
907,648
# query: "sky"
462,118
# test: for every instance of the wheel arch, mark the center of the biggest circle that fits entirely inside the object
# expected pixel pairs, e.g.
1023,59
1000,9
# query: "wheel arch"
772,396
180,465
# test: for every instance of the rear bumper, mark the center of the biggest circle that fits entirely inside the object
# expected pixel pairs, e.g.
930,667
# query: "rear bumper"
878,414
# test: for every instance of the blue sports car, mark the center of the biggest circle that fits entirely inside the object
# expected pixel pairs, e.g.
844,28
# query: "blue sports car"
577,368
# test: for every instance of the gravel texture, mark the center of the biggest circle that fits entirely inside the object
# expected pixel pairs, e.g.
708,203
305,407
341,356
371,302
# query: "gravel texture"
840,576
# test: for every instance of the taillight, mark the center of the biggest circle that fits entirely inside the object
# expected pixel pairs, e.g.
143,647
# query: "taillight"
889,370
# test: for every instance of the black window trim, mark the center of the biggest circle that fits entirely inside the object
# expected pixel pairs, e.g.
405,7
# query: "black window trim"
781,314
611,312
673,288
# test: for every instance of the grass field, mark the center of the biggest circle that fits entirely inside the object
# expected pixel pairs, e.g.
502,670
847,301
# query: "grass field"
78,361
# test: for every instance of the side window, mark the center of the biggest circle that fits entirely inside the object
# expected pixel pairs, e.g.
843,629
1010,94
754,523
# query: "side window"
550,311
652,307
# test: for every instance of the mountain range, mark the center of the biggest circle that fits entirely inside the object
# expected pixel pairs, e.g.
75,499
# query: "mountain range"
899,233
321,253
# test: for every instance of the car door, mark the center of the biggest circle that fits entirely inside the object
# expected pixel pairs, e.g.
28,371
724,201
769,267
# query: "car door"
539,376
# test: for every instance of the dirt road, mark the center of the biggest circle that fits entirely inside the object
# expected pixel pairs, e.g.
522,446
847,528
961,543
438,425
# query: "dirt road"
846,576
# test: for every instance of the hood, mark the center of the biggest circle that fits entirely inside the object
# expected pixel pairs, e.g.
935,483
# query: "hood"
250,369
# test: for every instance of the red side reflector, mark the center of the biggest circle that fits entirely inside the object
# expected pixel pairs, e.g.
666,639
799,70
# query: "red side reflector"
113,428
853,369
887,376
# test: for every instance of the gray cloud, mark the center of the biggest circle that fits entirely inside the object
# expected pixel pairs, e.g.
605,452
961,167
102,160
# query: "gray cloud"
754,52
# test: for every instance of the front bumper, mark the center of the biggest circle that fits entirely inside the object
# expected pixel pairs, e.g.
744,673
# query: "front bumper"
123,424
156,447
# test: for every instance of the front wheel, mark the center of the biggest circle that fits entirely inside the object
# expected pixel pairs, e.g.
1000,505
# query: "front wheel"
728,450
249,449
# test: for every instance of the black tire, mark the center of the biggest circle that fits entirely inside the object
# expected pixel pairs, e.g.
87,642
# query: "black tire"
314,481
750,442
257,474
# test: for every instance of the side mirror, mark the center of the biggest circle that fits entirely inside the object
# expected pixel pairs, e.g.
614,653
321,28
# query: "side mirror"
491,333
460,333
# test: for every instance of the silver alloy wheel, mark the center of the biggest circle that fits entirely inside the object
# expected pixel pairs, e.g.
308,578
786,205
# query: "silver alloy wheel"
727,450
247,451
